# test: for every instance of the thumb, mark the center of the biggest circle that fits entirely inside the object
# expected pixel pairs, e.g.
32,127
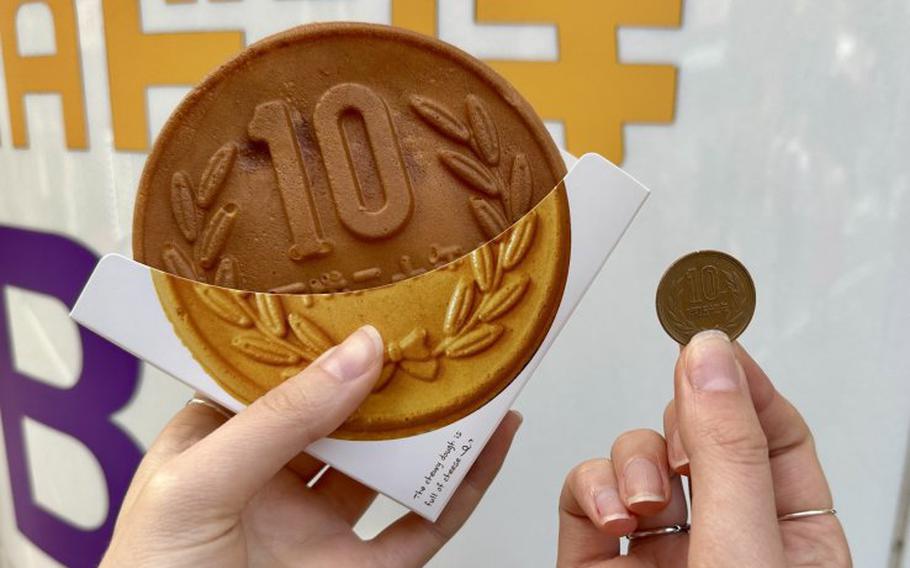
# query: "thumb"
237,459
734,521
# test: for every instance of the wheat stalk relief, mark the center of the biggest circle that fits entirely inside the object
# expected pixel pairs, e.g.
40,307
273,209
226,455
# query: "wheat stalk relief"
271,334
205,231
499,202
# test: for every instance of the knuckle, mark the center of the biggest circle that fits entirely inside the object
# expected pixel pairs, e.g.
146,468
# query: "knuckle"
289,399
172,498
643,434
639,437
737,441
439,533
583,472
588,466
299,408
163,487
789,433
581,481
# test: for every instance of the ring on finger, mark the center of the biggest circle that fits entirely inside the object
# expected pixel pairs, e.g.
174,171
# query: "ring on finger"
208,403
659,531
807,513
684,528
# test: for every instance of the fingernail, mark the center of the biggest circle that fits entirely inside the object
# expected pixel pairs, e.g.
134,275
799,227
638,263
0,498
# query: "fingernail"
711,364
354,356
609,506
675,454
644,484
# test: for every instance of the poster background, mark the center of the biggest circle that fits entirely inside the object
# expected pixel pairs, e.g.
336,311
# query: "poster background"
784,143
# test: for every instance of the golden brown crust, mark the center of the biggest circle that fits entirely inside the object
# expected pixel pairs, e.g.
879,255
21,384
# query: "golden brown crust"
440,368
338,157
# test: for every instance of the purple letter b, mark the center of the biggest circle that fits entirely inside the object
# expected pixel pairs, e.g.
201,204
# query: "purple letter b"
59,267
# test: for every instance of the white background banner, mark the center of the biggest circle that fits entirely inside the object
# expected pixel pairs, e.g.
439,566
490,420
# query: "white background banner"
774,130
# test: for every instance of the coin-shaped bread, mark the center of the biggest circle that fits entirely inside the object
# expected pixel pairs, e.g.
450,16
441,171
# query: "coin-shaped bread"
454,337
339,157
705,290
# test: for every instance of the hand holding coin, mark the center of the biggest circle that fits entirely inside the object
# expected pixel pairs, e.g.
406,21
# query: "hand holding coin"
758,494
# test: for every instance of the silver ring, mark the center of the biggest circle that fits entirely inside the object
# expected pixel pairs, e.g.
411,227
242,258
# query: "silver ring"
210,404
660,531
803,514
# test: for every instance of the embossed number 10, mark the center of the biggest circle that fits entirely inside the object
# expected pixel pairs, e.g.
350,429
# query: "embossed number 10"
703,284
272,123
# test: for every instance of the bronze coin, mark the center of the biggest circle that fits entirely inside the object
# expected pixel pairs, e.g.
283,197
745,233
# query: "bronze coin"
337,157
705,290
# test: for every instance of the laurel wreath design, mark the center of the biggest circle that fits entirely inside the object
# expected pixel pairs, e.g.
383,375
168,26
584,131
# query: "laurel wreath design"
681,323
498,202
736,287
271,334
204,230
